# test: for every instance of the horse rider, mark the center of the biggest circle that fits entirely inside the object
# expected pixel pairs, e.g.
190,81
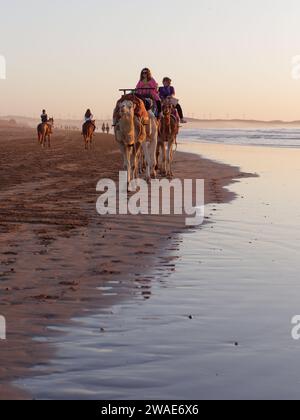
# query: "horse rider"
44,116
88,117
45,120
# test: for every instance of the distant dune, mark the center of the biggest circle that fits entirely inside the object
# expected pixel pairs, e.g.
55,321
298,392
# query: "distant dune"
59,122
192,123
8,123
239,123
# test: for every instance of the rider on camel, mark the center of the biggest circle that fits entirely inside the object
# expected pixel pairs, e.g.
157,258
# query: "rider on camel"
167,91
148,88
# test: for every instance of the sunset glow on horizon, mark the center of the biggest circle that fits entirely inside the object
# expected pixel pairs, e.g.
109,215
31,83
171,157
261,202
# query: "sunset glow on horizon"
227,59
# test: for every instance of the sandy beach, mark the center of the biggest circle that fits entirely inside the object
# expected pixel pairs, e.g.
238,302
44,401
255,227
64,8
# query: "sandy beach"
212,318
56,252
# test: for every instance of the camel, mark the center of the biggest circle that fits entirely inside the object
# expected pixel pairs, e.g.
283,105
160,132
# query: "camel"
168,131
44,131
130,132
88,130
150,146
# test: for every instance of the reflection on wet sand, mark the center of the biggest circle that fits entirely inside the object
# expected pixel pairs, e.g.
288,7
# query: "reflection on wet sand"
218,325
57,254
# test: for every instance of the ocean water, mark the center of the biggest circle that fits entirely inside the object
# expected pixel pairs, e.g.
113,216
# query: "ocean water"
285,137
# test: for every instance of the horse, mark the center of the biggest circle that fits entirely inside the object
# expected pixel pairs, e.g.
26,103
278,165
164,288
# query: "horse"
44,131
88,130
168,131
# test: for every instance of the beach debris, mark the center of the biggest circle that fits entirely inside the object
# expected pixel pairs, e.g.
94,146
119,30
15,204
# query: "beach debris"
69,283
45,297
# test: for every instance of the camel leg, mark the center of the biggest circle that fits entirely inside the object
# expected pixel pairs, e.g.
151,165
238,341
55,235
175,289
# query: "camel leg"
157,156
135,159
160,156
164,166
146,147
123,153
170,157
152,153
126,152
128,156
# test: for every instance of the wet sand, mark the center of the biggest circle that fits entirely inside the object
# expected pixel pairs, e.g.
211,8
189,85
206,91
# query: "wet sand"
56,252
217,323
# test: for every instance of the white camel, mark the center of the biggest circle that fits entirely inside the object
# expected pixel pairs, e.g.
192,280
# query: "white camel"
130,133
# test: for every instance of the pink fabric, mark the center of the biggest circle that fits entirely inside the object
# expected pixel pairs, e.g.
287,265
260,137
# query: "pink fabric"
153,89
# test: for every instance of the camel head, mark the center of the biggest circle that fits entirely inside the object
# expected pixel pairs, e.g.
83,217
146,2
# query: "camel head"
126,109
167,109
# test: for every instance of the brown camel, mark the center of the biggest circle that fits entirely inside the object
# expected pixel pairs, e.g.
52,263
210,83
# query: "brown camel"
130,117
168,131
44,132
88,130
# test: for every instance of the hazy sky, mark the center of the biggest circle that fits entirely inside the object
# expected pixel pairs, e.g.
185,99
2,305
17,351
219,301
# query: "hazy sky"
227,58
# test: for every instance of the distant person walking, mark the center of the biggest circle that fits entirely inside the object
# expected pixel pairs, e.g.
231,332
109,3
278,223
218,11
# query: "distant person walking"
107,128
103,128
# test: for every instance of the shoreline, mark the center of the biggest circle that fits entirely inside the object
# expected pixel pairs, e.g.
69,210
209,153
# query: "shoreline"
56,250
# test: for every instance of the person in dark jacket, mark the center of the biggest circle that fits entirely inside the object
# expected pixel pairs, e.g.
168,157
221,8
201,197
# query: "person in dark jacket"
44,116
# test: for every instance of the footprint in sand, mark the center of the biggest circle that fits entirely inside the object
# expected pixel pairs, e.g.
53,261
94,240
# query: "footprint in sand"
143,253
8,262
45,297
69,283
